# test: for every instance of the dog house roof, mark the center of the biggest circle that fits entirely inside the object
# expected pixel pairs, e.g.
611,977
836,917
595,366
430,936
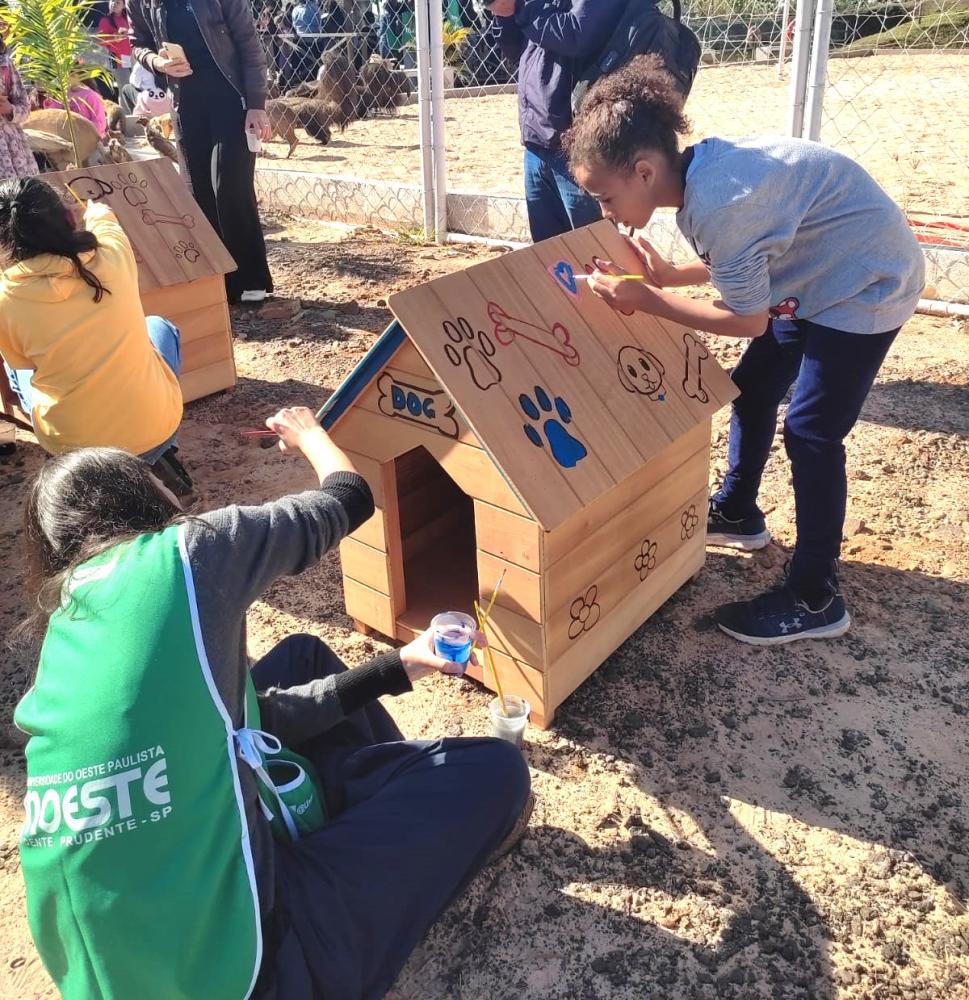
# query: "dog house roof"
568,397
172,240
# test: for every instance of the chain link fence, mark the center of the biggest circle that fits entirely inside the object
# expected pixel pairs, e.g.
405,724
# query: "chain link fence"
894,95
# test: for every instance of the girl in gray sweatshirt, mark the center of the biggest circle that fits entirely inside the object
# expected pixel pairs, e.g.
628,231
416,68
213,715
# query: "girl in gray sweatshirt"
812,261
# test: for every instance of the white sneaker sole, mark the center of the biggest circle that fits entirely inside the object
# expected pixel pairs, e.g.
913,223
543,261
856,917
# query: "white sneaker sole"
253,297
832,631
746,543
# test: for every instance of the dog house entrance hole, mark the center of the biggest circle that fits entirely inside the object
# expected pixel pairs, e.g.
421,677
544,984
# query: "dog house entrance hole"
437,540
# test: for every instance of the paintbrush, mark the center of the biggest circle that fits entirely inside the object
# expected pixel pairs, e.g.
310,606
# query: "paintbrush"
258,433
618,277
491,660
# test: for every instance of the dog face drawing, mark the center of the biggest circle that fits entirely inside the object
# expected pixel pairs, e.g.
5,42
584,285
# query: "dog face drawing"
642,372
89,188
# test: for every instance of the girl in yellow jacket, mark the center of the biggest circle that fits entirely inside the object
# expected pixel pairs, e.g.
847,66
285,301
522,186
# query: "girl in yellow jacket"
86,364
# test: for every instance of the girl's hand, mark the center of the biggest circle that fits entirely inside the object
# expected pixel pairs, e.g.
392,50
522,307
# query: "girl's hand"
296,427
623,296
419,658
656,268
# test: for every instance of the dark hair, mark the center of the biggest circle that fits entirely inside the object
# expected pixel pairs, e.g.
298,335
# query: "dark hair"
34,221
80,504
637,108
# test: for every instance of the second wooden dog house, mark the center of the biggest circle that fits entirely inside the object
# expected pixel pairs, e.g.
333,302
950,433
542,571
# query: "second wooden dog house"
181,263
513,422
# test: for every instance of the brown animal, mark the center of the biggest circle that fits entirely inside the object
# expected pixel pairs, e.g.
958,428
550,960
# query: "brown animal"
116,152
337,87
286,113
162,124
383,86
159,142
115,117
48,132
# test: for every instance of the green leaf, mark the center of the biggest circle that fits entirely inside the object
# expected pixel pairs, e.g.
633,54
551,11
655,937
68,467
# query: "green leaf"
51,47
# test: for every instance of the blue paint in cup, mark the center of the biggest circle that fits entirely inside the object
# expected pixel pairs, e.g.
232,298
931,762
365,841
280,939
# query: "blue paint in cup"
454,634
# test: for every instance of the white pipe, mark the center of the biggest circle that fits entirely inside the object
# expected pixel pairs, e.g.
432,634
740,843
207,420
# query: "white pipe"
423,41
934,307
799,65
782,55
438,148
820,47
486,241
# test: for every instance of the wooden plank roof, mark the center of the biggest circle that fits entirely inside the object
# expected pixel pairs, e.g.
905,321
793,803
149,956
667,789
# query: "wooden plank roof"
172,239
567,396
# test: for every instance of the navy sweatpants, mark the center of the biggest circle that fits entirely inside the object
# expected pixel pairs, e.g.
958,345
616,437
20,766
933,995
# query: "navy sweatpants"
834,372
410,824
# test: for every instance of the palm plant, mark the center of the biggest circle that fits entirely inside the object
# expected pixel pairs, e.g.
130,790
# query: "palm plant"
52,48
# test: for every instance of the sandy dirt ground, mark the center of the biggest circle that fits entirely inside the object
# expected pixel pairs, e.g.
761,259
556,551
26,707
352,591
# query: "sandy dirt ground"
712,820
902,115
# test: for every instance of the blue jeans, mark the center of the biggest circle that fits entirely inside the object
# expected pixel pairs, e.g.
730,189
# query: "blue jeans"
167,342
834,372
556,204
410,824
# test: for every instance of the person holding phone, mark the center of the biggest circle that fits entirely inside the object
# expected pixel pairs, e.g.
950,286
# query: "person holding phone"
216,69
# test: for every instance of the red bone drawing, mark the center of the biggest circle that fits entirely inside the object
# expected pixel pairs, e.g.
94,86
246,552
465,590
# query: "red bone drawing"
557,339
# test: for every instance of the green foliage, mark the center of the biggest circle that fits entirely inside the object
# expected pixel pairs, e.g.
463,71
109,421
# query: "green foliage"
52,48
941,30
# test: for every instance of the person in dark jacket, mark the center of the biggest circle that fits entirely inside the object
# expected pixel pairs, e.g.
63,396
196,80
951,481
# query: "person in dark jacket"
551,41
219,92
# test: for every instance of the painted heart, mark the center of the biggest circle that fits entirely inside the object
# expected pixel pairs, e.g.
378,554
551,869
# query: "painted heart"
562,272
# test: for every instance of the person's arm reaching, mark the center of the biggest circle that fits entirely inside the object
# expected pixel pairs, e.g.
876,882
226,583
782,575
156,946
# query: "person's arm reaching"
242,28
248,548
299,713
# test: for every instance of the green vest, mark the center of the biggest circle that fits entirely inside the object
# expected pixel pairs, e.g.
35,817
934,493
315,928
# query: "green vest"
135,850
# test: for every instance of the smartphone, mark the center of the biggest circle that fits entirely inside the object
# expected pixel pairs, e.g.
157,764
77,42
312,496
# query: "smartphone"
175,51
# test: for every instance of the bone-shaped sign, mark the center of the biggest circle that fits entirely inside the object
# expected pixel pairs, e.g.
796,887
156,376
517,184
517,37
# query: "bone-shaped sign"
696,354
430,408
555,338
151,218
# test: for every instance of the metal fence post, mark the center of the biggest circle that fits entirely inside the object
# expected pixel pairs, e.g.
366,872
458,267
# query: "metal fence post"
799,65
423,42
820,45
439,149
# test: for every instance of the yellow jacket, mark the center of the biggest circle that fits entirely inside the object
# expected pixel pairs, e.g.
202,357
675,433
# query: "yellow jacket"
97,377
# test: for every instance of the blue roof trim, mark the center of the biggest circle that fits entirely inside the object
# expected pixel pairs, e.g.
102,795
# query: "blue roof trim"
361,376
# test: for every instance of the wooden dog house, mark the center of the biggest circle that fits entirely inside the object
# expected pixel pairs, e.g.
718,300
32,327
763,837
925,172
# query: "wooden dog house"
181,263
511,421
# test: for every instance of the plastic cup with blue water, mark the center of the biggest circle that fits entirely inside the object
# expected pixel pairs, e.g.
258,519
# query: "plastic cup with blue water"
454,634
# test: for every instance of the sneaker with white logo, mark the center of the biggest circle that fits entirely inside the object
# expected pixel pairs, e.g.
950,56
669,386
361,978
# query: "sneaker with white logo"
746,533
781,616
255,295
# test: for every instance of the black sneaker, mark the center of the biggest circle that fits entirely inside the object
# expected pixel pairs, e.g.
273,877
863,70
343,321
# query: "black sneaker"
781,616
172,474
748,533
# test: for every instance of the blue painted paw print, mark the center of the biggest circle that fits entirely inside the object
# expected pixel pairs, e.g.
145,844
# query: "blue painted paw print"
566,450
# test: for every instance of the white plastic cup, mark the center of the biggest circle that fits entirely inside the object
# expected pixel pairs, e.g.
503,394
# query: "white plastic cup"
454,633
253,141
510,726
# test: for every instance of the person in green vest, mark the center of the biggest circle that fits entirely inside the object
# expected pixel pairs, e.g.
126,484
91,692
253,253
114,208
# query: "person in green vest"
196,828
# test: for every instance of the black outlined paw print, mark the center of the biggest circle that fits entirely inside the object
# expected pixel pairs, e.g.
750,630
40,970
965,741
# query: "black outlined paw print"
133,188
186,251
645,561
474,349
584,613
567,450
689,520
